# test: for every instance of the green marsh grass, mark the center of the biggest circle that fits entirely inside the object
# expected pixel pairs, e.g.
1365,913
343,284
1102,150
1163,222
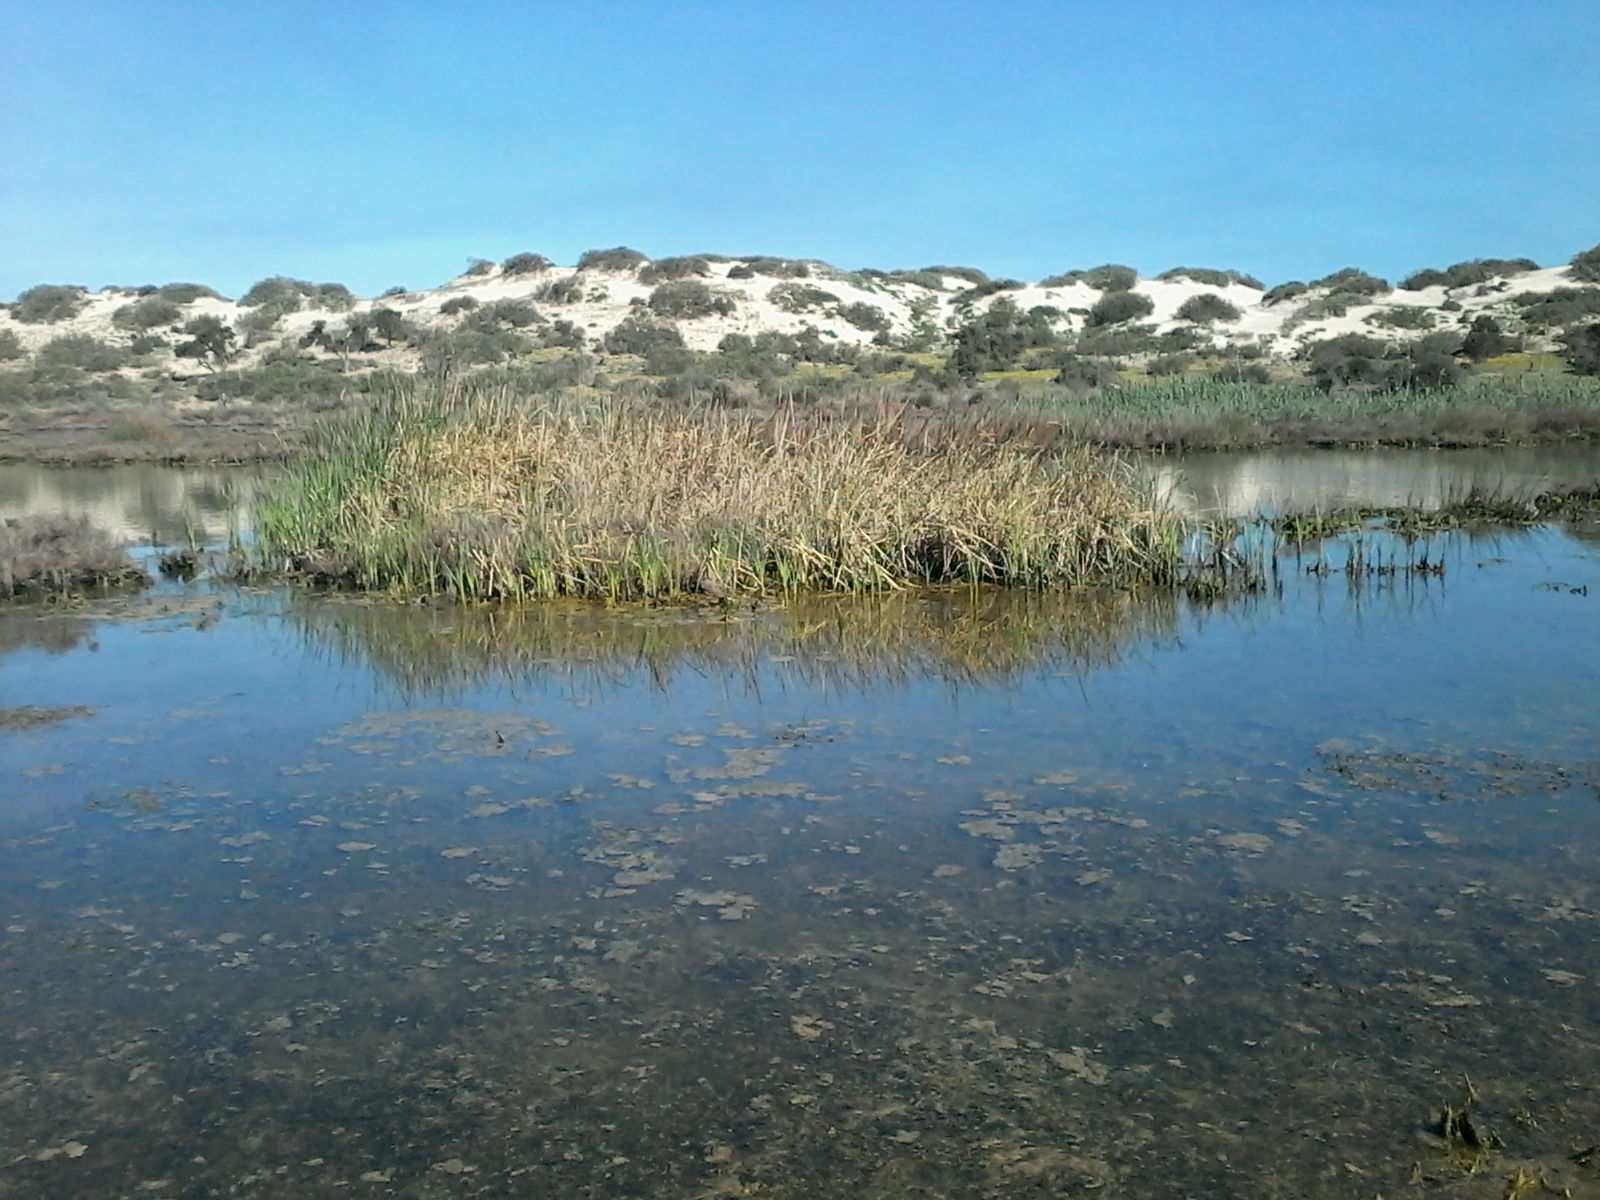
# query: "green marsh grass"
477,493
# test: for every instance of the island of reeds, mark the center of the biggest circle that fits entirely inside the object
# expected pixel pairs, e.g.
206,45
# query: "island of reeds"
474,492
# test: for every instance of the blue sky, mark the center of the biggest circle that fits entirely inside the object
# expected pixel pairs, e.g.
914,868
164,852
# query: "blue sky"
381,144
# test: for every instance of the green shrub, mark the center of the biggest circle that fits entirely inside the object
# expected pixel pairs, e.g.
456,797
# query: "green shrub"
1181,338
1465,274
1170,364
1562,306
1118,341
1208,308
1352,281
392,326
563,335
11,347
800,297
1402,316
1581,348
1111,277
477,268
1234,371
1285,291
688,299
1486,339
868,317
82,351
1585,266
457,304
665,270
502,314
1354,361
971,274
280,293
48,303
152,312
443,349
924,278
1211,277
524,264
259,324
147,343
187,293
1335,305
996,339
640,335
1082,375
771,267
1117,307
990,287
619,258
567,290
393,293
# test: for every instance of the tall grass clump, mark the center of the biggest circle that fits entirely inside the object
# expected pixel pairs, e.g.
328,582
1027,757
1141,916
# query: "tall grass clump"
474,493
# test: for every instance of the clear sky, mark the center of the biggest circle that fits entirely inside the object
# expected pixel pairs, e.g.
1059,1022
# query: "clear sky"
377,144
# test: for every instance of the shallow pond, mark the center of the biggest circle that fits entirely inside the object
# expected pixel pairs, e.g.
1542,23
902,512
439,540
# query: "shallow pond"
955,895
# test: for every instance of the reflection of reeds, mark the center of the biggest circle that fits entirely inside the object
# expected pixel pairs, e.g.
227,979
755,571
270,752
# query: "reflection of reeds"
476,493
959,635
45,554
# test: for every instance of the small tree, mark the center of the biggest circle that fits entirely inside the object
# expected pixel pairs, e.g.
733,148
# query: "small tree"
1118,307
1581,349
1208,308
391,326
211,343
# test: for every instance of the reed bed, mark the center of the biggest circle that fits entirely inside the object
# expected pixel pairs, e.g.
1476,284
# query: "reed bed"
476,493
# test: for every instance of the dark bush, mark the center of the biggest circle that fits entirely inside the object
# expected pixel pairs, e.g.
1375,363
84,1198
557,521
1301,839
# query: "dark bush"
10,346
81,351
665,270
1580,346
502,314
1207,308
443,349
1465,274
640,335
277,292
800,297
772,268
1563,306
991,288
1486,340
147,343
1211,277
1402,316
1354,361
524,264
1183,337
152,312
187,293
688,299
995,340
1285,291
1337,304
48,303
562,335
1111,277
477,268
1352,280
1083,375
1585,266
1235,371
567,290
1170,364
971,274
457,304
391,326
740,271
931,280
1118,341
618,258
868,317
258,324
393,293
1117,307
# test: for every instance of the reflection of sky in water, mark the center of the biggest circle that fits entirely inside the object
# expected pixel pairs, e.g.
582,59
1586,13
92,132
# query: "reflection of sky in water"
1097,895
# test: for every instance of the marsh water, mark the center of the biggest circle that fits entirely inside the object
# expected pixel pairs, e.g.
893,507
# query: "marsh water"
949,895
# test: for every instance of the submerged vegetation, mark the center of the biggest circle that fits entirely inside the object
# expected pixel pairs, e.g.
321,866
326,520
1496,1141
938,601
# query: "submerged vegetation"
467,491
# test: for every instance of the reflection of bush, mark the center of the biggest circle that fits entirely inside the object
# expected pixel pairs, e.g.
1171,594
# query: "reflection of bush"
961,636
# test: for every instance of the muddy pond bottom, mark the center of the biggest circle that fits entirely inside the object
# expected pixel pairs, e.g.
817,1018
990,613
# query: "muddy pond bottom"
943,895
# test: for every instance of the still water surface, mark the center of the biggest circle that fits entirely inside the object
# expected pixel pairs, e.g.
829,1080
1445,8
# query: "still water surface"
935,895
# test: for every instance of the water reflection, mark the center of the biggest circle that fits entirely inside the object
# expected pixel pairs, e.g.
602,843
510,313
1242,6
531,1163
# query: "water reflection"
137,502
984,636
